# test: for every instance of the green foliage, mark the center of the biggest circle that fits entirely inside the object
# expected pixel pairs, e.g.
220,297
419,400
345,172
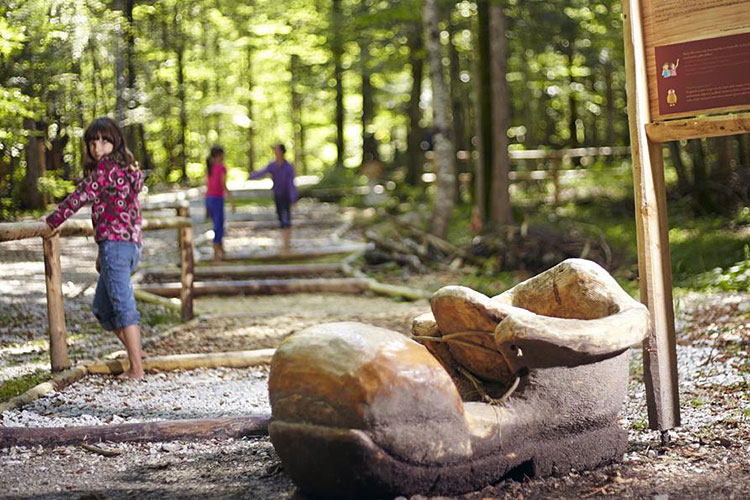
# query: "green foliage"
18,385
733,278
55,187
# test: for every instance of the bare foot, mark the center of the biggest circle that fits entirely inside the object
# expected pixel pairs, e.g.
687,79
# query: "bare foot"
131,375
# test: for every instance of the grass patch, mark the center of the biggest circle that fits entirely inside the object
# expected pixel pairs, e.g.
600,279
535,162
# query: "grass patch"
18,385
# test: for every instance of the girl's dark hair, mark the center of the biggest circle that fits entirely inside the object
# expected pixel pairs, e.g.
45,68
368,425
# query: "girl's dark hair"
216,151
106,128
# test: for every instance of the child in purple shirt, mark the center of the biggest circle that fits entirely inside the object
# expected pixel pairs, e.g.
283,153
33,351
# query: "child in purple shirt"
284,191
112,182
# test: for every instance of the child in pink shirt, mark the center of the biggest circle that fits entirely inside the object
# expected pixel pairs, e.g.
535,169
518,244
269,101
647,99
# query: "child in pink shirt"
216,187
111,184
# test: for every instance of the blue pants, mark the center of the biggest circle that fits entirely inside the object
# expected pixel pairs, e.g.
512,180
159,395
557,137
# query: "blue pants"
284,210
114,302
215,210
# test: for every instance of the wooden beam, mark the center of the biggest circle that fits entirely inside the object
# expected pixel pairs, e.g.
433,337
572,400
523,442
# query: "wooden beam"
185,235
168,430
256,271
272,224
234,359
694,128
58,347
10,231
58,382
262,287
293,254
157,300
660,358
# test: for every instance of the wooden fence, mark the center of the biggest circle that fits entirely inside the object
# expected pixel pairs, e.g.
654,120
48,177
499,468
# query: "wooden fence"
58,347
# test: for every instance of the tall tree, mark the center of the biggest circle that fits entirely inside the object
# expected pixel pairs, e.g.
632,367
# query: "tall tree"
500,205
414,111
445,151
482,106
337,49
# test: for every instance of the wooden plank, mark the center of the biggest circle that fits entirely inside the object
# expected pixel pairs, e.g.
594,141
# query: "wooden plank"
168,430
256,271
262,287
694,128
660,367
58,347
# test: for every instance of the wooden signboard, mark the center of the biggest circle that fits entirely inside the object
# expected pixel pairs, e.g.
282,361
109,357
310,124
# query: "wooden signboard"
684,58
697,56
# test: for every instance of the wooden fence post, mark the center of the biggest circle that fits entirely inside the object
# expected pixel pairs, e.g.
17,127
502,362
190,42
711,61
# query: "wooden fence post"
58,346
659,349
556,178
187,272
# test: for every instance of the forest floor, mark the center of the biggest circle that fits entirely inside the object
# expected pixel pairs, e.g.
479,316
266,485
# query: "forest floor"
708,455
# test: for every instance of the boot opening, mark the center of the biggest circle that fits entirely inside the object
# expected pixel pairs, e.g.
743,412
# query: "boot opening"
522,471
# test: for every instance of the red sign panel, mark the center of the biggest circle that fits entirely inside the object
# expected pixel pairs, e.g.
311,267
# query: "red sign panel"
703,74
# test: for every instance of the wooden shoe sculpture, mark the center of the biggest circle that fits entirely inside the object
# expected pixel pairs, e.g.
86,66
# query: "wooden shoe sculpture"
529,382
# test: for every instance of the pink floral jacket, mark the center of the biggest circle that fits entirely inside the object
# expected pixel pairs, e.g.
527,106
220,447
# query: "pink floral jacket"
115,212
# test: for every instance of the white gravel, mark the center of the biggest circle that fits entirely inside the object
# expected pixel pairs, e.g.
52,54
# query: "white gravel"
100,400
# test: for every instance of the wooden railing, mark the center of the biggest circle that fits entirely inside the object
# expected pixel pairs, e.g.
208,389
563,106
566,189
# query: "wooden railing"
558,158
58,348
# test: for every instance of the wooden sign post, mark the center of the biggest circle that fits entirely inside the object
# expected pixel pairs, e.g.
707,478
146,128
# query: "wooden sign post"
684,58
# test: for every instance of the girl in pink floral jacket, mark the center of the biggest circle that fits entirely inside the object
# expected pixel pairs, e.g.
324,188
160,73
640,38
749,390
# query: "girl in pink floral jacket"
112,182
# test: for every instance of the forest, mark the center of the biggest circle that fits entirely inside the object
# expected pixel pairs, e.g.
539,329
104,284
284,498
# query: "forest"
451,156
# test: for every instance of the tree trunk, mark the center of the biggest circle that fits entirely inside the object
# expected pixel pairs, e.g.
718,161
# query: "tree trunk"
445,152
414,133
251,125
743,150
130,93
299,141
683,183
337,47
119,65
369,146
182,156
610,98
35,166
572,101
482,89
500,206
457,98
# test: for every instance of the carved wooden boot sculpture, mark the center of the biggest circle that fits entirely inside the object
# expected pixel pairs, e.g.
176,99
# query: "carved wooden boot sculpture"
364,412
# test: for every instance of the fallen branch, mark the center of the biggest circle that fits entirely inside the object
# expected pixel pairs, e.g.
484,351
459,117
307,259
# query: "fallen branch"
101,451
211,428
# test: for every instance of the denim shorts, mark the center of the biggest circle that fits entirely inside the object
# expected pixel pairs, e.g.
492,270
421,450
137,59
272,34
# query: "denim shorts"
114,302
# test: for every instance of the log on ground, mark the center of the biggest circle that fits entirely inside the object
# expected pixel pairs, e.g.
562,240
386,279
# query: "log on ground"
211,428
262,287
256,271
234,359
293,254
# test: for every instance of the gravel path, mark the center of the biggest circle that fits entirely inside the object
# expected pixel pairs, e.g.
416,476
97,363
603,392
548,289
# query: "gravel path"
709,456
